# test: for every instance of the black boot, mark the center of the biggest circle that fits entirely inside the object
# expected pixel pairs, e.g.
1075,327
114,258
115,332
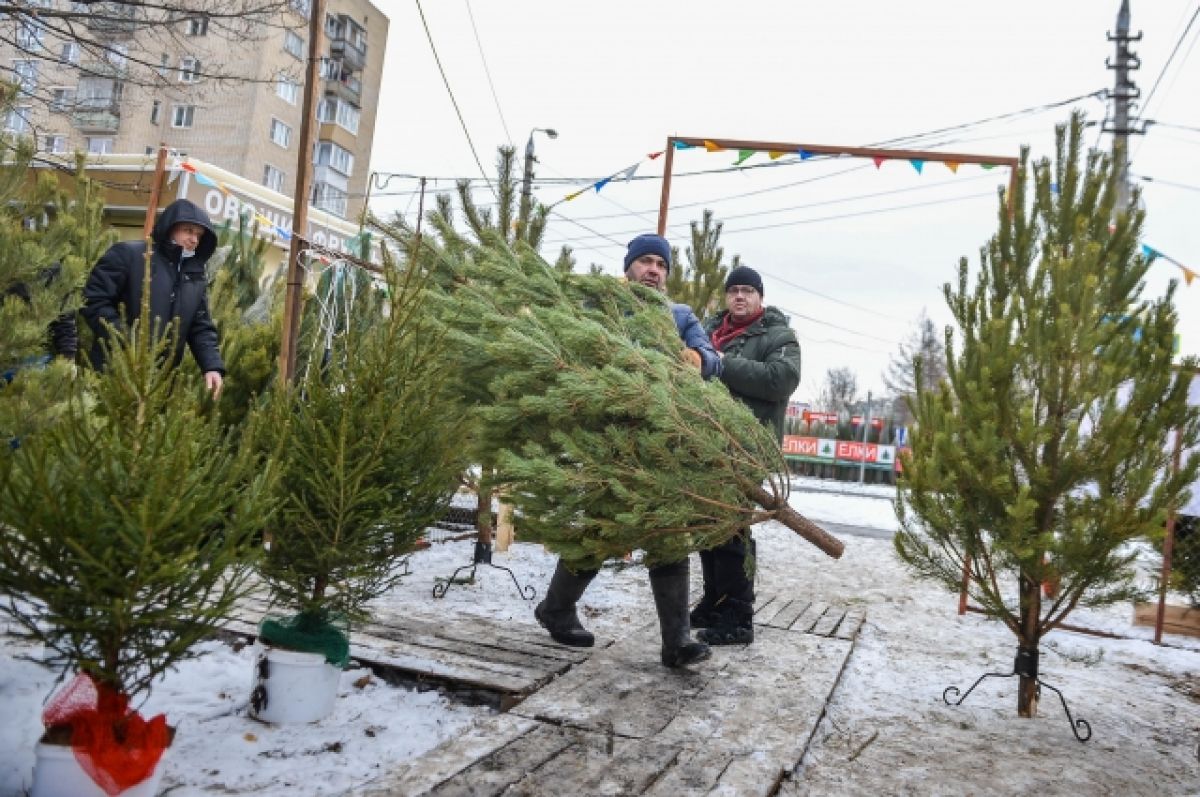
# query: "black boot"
556,612
705,613
733,621
669,583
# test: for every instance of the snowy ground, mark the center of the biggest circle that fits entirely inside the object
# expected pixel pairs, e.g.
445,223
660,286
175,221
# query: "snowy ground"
887,730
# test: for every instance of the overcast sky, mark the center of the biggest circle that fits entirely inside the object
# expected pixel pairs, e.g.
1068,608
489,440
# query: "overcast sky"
852,252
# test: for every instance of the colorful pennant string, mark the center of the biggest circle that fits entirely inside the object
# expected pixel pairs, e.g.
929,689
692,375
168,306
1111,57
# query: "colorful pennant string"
878,161
1151,254
711,147
917,164
743,156
952,166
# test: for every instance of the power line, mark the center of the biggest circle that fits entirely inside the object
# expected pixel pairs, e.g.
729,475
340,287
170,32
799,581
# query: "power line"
1170,126
488,72
1158,181
832,325
1167,65
454,101
825,296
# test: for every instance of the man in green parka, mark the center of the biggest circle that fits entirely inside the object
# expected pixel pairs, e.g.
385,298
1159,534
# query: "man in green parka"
761,367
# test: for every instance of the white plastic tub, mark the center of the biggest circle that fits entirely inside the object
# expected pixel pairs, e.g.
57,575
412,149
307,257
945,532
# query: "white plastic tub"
290,686
57,773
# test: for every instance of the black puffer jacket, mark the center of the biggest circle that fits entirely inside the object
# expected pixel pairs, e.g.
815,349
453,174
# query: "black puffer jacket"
177,288
761,366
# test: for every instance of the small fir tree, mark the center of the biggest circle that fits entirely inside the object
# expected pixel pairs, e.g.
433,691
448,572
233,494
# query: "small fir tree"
1044,454
700,284
371,458
129,521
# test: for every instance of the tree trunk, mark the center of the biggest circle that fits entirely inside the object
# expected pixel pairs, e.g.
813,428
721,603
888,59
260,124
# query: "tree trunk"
1027,653
483,513
796,522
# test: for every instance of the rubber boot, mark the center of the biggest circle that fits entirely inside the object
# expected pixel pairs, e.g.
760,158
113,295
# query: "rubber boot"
669,583
733,621
705,614
556,612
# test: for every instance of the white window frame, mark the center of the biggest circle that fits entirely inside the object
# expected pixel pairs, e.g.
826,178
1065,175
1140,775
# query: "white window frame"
62,98
54,144
30,35
341,113
26,72
284,132
18,120
273,178
100,145
196,26
335,156
188,67
293,44
69,54
287,89
183,116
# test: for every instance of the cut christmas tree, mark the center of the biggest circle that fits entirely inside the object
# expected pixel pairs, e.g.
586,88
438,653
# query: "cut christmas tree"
603,437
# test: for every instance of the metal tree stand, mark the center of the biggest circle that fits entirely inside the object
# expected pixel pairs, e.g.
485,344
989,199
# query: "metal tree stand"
1026,664
483,556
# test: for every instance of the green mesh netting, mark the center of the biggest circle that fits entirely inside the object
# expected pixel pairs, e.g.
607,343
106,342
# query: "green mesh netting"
309,633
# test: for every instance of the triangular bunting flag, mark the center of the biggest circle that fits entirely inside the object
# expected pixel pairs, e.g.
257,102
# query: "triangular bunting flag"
187,167
654,155
1148,252
743,155
628,174
569,197
986,166
917,164
804,154
682,145
601,183
200,178
776,154
878,161
712,147
1188,275
952,166
1054,188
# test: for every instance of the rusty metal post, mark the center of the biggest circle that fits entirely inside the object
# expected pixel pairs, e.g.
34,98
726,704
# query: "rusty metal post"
160,169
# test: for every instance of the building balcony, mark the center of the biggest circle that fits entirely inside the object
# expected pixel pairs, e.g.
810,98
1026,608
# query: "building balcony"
348,89
96,120
353,56
97,67
113,18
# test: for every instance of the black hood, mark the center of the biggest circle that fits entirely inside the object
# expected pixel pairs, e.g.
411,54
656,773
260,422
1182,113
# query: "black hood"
183,210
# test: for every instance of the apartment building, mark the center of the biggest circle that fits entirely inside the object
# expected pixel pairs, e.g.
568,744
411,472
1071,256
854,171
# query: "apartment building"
130,86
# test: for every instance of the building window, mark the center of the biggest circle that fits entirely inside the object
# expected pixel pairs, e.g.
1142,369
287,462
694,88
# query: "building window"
17,120
164,65
155,110
69,53
273,178
293,45
62,99
182,115
330,198
281,134
26,73
117,55
99,146
341,113
55,145
197,26
303,7
335,157
189,69
30,35
288,89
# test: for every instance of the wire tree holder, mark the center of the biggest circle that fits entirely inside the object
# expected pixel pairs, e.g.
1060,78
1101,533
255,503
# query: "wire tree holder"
482,554
1026,665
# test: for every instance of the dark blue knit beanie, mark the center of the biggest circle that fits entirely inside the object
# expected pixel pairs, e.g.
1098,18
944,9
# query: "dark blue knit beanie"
648,244
744,275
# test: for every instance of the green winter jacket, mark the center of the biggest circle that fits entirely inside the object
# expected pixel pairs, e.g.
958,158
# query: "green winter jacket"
761,366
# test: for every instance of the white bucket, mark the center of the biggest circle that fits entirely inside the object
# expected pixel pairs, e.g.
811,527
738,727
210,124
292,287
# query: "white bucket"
57,774
291,686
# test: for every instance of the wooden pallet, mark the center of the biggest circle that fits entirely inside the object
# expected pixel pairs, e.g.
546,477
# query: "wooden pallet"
506,661
808,616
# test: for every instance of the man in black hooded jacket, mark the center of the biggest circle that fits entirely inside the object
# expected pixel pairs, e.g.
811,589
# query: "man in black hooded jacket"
183,241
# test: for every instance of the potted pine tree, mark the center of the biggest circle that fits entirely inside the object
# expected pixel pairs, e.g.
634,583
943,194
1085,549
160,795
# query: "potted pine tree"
371,459
127,527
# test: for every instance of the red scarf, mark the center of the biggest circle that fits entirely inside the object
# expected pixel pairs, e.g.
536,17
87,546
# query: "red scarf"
730,329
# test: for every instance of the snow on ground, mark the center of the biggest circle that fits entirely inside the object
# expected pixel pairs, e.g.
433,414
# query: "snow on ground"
887,730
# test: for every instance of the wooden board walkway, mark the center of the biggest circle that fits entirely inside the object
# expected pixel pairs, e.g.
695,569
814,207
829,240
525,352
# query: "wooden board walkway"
618,722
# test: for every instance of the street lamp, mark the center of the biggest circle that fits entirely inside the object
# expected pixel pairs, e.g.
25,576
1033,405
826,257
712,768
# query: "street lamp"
527,182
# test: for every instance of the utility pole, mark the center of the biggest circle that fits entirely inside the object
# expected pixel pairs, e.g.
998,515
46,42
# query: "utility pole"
1123,94
862,460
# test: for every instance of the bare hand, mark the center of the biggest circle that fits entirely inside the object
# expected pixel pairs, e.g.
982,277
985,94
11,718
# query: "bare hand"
213,383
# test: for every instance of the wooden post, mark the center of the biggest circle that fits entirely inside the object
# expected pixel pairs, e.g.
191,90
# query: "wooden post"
160,169
505,534
665,200
295,279
1168,548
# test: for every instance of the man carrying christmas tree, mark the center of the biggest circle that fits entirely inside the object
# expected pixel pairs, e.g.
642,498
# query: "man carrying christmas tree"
183,241
647,261
760,364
